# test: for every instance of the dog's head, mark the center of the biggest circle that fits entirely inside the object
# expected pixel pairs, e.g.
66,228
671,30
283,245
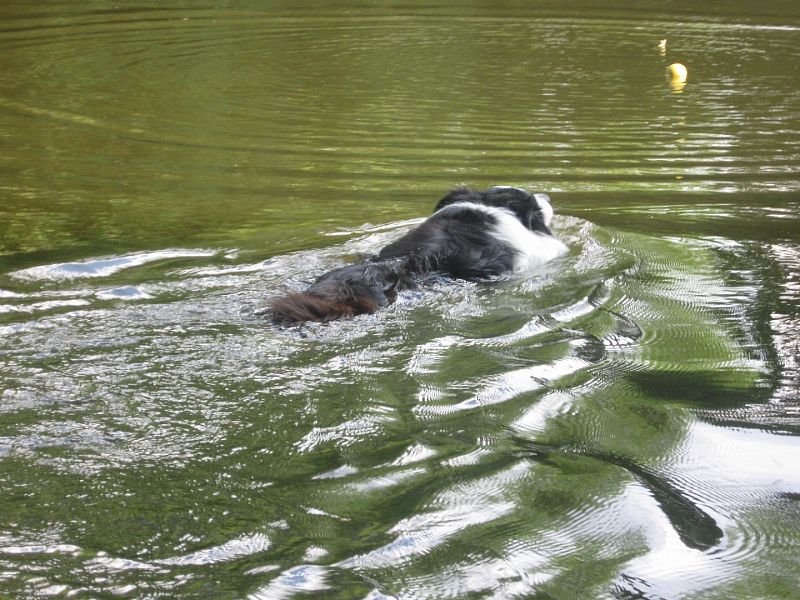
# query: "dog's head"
532,210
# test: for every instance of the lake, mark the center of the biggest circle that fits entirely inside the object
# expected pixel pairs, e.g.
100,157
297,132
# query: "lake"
623,423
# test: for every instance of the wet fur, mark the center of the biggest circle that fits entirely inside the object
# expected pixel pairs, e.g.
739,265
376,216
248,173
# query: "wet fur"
471,235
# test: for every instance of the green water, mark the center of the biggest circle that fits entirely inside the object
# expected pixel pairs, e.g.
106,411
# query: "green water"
622,424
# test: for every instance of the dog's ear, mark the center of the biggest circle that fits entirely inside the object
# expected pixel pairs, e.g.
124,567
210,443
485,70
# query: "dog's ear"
535,220
526,208
542,215
462,194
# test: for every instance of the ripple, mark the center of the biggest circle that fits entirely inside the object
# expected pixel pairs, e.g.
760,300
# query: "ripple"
414,454
361,403
230,550
668,567
510,385
43,306
427,356
344,434
549,406
381,482
333,69
39,549
337,473
128,292
103,267
453,511
300,579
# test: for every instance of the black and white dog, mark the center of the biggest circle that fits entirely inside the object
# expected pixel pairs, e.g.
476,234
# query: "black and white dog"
471,235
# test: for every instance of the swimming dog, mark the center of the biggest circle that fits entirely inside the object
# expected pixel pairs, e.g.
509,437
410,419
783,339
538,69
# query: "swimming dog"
471,235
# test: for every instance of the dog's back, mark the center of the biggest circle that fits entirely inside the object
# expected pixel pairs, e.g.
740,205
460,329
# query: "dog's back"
456,240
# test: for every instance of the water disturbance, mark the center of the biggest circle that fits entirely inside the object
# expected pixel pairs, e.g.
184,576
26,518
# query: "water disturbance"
621,423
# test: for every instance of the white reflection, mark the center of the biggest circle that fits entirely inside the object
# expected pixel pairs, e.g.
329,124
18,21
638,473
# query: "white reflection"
297,580
243,546
343,434
463,506
551,405
747,458
670,569
103,267
509,385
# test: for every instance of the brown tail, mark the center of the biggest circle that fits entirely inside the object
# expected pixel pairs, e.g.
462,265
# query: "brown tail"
297,308
345,292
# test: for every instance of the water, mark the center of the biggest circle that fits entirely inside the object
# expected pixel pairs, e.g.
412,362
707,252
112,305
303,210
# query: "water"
621,424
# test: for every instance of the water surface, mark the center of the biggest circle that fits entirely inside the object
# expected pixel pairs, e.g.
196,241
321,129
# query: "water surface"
623,423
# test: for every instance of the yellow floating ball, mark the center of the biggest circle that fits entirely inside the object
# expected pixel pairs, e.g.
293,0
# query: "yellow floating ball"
677,73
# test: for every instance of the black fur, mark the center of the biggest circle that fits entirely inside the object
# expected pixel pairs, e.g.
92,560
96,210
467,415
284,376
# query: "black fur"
520,202
460,242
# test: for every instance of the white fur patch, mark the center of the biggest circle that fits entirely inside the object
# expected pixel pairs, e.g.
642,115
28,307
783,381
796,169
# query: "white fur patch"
543,200
533,248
